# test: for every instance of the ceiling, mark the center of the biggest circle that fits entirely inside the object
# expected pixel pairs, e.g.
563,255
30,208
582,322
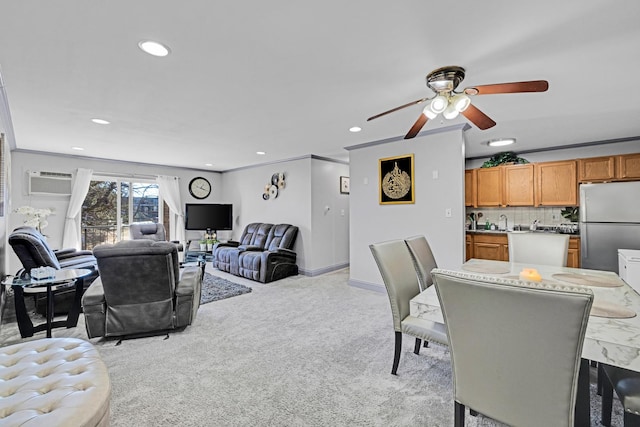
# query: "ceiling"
290,77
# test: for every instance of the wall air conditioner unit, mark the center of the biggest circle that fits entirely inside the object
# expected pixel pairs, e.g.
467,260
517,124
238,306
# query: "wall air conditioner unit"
49,183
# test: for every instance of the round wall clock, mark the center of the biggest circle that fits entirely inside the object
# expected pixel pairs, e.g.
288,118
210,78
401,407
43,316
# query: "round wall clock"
200,187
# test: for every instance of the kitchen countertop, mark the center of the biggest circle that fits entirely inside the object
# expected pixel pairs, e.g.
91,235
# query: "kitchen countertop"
573,235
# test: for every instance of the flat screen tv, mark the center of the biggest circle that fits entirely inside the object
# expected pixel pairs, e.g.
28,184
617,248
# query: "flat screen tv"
204,216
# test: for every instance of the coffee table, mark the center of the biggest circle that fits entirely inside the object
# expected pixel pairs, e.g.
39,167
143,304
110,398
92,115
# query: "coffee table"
62,279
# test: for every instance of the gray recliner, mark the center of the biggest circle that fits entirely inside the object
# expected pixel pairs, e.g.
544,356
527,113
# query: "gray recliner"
141,290
151,231
275,260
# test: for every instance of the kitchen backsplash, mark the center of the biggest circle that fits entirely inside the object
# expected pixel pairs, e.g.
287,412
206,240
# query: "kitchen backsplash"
523,216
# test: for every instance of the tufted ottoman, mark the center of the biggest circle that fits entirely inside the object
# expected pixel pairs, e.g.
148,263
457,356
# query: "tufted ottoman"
53,382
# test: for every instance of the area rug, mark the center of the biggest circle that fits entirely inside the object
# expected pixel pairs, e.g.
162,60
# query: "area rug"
216,288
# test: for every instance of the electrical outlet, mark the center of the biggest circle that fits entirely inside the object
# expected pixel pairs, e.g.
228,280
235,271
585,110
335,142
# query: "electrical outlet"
447,212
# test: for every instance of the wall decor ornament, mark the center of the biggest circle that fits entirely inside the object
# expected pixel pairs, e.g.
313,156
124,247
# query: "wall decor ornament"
275,184
396,175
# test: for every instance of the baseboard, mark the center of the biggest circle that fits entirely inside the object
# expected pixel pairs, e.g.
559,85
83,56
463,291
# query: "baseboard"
368,286
323,270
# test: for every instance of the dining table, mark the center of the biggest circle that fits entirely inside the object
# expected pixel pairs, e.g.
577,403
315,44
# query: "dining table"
613,329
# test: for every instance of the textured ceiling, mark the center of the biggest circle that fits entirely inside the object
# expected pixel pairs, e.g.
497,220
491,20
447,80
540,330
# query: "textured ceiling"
290,77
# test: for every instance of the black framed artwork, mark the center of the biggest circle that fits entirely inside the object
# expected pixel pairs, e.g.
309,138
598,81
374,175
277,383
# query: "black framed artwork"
396,176
344,185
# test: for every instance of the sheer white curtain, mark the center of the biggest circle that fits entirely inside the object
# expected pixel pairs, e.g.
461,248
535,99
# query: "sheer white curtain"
170,193
71,235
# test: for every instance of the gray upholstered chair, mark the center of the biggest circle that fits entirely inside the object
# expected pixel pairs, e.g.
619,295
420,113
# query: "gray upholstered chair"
423,259
141,290
626,383
538,248
400,279
515,347
33,251
150,231
275,260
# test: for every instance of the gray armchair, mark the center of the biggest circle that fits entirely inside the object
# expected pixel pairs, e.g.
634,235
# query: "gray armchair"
141,290
150,231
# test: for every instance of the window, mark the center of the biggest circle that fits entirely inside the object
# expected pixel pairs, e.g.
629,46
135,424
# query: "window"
112,205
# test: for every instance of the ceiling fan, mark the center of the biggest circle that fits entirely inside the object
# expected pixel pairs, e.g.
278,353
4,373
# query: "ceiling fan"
450,103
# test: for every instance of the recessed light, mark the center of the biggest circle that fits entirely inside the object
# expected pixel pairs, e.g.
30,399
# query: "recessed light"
208,164
501,142
260,153
355,129
77,148
101,121
153,48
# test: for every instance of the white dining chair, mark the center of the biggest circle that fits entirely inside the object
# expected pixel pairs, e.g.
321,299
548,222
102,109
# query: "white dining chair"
401,281
538,248
515,347
423,259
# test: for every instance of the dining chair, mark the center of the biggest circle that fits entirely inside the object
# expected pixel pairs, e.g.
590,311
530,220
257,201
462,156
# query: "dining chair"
515,347
401,281
538,248
423,259
627,386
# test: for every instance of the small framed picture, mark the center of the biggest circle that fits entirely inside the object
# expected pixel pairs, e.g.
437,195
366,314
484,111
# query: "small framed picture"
344,185
396,180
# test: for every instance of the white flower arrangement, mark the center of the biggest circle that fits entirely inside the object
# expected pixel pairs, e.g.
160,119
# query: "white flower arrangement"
36,218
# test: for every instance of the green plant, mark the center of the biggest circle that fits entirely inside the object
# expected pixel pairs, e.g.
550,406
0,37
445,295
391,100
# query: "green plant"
504,157
572,213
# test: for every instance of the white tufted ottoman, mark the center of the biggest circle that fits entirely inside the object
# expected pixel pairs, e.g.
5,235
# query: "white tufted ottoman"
53,382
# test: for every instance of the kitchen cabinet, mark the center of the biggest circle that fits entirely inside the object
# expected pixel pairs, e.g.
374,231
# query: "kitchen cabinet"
556,183
629,166
470,188
573,254
495,246
518,185
489,186
597,169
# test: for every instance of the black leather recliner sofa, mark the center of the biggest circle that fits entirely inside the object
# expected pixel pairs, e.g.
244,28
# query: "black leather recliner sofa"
264,253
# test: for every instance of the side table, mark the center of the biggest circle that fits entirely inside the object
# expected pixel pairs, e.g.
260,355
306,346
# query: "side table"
63,279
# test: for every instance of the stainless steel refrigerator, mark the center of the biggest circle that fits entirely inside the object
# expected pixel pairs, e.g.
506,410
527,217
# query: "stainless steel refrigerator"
609,220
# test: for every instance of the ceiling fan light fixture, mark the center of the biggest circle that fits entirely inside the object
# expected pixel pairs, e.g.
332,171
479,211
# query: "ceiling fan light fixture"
501,142
460,102
450,112
429,113
439,104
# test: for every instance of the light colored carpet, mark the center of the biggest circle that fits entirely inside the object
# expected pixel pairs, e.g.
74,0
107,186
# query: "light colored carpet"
297,352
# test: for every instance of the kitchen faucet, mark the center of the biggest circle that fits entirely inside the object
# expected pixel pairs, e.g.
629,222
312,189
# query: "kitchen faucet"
506,223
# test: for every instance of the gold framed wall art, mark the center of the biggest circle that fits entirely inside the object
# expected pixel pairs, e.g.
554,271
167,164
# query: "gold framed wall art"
396,180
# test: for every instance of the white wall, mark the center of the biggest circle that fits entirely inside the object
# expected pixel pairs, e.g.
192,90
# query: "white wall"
22,162
308,184
440,152
596,150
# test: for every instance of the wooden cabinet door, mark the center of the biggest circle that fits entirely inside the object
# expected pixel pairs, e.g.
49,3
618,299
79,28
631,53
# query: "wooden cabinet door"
487,251
629,166
596,169
518,185
505,252
470,189
573,254
489,184
469,247
556,183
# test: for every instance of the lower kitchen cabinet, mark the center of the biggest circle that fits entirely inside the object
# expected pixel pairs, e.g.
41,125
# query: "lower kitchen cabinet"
495,246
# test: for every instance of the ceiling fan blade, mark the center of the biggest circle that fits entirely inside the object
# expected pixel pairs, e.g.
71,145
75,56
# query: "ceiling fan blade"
515,87
478,118
416,127
397,108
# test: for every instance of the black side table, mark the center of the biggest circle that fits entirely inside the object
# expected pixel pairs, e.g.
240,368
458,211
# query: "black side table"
63,279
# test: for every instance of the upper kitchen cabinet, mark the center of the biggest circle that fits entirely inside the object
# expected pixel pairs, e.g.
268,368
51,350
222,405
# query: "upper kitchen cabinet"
556,183
489,185
625,167
470,189
518,185
629,166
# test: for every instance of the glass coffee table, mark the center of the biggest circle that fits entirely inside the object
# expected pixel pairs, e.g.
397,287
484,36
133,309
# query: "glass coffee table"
62,279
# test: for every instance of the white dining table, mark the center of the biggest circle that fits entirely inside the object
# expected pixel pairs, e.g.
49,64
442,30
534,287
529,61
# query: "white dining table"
613,329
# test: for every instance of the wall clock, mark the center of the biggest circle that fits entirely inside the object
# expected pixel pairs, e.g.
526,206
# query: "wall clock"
200,187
